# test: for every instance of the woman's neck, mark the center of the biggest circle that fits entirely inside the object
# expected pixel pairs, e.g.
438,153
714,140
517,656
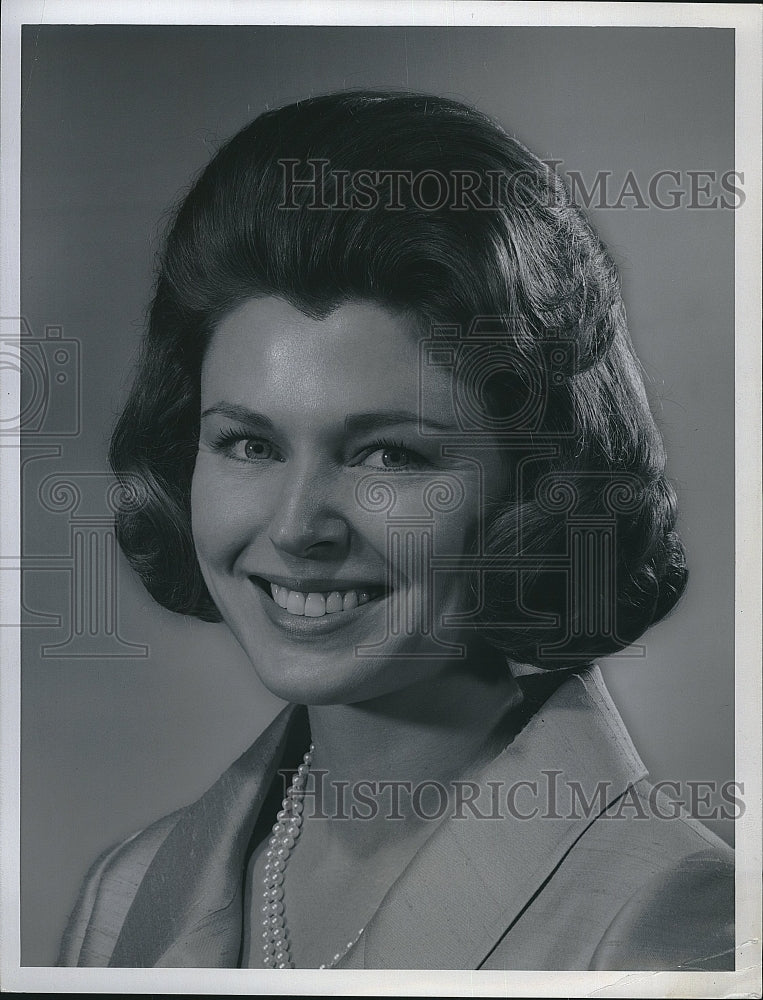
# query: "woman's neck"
432,731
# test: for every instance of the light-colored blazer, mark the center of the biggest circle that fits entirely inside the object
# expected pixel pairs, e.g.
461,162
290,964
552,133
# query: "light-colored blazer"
610,886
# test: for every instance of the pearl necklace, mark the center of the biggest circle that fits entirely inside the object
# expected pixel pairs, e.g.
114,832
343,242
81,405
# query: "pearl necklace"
276,947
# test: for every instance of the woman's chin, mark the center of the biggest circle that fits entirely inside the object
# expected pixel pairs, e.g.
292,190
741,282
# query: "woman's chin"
318,678
313,679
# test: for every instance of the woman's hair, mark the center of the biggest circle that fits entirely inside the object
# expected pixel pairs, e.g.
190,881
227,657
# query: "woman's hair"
423,204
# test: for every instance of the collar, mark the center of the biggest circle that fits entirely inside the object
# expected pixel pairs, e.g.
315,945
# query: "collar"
473,877
457,897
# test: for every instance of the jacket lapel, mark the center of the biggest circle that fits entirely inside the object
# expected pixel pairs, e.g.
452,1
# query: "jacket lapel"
188,909
473,877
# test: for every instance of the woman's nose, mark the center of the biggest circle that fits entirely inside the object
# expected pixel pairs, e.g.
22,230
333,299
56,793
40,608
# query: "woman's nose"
307,521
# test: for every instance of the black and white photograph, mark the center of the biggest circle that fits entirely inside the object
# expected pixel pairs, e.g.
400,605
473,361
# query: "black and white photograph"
381,499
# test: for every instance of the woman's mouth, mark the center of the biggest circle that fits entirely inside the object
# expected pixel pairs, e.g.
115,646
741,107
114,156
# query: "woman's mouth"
318,603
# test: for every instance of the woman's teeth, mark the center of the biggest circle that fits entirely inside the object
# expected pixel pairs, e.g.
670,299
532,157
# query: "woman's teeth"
316,605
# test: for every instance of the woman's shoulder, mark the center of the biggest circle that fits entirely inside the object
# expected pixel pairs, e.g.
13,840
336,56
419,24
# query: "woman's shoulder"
204,836
622,900
675,886
107,892
681,918
641,888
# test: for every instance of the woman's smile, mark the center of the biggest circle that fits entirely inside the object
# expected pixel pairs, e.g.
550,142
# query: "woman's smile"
316,598
312,613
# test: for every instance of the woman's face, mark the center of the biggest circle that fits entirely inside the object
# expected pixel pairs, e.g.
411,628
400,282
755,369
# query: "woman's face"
315,499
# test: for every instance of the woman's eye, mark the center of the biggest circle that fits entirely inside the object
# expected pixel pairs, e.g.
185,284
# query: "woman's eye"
245,449
255,449
391,456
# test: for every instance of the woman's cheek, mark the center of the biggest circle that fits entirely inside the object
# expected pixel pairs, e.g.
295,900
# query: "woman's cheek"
224,511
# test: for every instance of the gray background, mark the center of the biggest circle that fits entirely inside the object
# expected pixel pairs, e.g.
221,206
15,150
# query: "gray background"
115,122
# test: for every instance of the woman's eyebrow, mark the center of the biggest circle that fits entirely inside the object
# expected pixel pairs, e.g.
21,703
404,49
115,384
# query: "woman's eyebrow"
234,411
364,423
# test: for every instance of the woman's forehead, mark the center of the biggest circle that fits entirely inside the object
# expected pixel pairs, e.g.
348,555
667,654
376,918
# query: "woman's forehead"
361,357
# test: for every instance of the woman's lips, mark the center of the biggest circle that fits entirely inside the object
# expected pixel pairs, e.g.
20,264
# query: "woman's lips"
315,604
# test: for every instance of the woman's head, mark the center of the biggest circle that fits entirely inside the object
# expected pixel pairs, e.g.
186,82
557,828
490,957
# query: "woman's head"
422,208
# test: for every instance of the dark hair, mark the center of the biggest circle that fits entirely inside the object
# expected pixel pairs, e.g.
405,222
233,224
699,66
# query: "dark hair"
504,256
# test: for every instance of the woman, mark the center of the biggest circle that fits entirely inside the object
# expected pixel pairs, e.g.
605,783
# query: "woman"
388,425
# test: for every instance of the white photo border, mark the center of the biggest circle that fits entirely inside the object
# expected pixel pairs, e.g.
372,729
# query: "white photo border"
746,21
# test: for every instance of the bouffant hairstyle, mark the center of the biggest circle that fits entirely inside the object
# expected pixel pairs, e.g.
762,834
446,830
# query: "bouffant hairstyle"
423,204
